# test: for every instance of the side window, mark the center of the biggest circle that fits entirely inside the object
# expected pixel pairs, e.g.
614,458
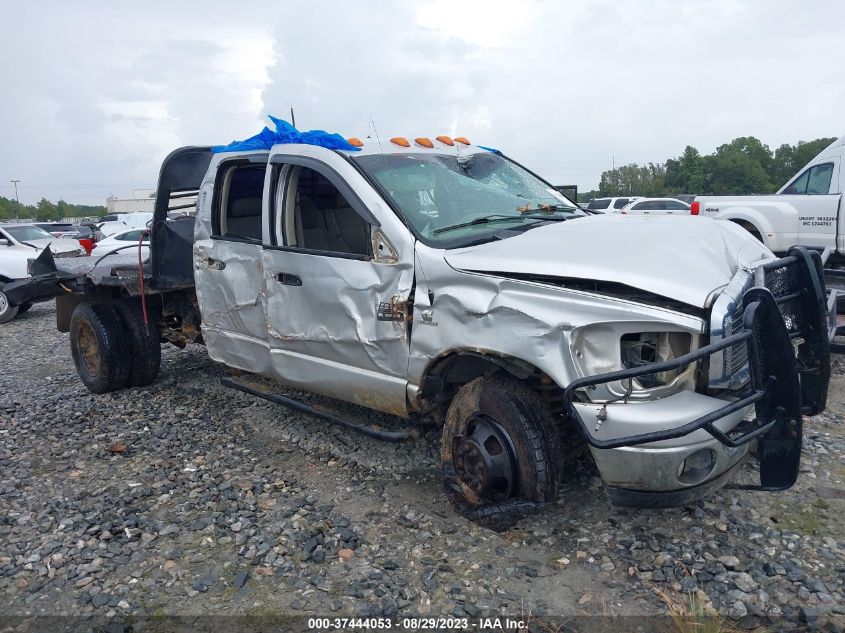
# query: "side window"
318,217
131,236
674,205
238,202
819,180
600,203
799,185
620,202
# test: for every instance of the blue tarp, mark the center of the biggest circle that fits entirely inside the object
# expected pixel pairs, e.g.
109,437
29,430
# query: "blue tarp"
286,133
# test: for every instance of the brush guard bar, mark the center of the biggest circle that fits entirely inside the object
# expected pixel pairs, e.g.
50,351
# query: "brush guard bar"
784,383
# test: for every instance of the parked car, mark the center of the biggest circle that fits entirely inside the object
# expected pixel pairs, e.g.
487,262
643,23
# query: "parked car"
20,243
655,206
609,205
418,277
59,229
123,221
123,241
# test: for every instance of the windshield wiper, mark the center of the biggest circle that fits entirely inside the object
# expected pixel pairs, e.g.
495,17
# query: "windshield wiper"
487,219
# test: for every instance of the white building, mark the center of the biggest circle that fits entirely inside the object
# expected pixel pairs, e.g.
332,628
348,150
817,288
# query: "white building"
141,200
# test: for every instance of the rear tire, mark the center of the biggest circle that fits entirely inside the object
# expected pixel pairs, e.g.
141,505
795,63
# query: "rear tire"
100,347
7,311
499,453
144,344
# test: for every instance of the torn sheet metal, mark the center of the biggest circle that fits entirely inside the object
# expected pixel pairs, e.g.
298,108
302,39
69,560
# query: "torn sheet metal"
533,322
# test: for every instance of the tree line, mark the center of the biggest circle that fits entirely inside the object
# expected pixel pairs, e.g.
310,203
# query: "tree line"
744,166
46,211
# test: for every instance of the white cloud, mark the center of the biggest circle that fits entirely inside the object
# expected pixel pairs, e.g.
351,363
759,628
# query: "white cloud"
100,92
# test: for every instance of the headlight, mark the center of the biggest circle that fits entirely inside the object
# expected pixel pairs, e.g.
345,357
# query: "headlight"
645,348
604,348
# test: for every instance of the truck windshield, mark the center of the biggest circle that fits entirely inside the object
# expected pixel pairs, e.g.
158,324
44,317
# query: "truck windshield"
449,198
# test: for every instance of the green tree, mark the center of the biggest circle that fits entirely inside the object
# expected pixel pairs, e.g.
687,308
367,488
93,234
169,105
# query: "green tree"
752,148
730,172
685,174
45,210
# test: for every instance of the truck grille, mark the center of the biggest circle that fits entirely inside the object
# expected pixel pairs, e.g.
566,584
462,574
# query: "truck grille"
729,369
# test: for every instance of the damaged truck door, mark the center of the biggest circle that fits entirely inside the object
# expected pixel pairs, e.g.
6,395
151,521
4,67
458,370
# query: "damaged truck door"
227,263
338,272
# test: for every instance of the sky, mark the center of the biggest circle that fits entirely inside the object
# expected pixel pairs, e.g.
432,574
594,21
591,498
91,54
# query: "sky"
98,93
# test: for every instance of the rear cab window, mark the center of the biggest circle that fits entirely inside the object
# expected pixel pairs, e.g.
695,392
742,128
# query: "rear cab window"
621,202
237,207
599,203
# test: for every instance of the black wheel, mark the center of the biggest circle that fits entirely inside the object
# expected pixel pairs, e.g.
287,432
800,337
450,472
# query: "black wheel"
7,312
24,307
144,343
100,347
499,453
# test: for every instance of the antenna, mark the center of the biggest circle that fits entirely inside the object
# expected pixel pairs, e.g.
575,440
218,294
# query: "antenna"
292,117
375,131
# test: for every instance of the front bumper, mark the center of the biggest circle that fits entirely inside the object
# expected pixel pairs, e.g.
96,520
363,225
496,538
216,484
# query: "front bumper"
639,447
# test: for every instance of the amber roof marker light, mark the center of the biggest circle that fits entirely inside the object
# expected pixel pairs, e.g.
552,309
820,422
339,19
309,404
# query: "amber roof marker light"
462,140
355,142
425,142
401,141
446,140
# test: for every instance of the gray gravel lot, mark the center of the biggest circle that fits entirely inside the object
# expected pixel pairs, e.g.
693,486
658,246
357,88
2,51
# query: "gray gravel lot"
189,498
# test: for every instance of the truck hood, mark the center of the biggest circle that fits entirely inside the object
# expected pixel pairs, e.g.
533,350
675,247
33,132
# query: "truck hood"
56,245
680,258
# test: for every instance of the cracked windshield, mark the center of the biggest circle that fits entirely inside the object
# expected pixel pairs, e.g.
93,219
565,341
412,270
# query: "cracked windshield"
453,199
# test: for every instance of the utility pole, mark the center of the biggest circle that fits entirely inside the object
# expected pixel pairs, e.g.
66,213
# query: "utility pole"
18,205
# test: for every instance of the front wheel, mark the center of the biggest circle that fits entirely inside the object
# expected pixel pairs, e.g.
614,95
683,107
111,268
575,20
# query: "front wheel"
500,452
7,311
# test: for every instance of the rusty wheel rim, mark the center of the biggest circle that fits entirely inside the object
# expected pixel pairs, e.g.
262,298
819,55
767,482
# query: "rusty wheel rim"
484,460
89,348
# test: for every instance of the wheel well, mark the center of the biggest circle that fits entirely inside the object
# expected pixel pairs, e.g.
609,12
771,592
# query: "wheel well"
748,226
449,372
4,279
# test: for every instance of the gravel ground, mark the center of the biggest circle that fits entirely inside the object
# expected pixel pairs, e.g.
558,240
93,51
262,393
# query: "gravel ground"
187,498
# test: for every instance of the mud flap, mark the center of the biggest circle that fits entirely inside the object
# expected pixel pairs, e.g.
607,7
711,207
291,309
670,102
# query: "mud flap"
773,360
814,351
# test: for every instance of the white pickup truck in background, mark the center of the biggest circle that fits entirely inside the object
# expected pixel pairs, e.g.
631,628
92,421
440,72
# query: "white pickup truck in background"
804,211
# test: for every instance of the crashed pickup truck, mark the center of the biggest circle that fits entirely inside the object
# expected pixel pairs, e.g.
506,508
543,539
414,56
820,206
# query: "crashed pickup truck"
433,276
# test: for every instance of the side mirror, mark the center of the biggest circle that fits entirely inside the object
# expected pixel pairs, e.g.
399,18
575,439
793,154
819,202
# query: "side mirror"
5,242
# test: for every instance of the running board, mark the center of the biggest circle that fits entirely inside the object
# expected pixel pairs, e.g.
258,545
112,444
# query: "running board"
358,427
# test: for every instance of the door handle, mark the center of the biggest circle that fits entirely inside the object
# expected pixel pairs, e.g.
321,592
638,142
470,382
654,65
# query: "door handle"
215,264
287,279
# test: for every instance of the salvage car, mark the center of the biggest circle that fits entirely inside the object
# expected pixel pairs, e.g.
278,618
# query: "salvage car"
431,276
655,206
20,243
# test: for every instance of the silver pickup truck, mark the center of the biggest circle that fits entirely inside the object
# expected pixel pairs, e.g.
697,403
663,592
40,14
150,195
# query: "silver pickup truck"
432,276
